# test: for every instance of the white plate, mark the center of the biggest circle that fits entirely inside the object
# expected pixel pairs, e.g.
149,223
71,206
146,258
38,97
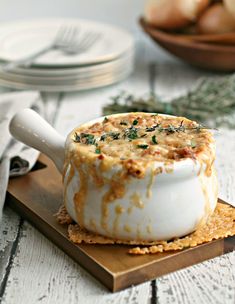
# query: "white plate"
64,73
75,86
22,38
68,79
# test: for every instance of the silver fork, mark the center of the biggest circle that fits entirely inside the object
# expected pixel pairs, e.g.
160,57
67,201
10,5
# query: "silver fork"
65,39
83,44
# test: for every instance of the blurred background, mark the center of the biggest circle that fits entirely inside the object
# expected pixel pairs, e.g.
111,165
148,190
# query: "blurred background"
119,12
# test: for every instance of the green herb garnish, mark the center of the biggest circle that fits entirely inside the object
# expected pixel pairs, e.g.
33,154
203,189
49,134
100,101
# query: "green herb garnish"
181,128
211,101
151,129
77,138
103,137
154,140
97,150
105,120
135,122
193,144
89,139
171,129
143,146
131,133
114,135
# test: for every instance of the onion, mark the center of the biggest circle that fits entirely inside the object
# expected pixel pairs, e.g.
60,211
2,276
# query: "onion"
230,6
173,14
216,20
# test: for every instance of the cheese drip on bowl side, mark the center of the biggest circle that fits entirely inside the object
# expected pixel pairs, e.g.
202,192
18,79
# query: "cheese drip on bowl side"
134,144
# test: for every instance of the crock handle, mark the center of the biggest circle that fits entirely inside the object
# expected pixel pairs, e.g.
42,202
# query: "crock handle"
30,128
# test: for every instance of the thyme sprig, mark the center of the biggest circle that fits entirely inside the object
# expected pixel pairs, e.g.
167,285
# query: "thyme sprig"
211,102
172,129
154,140
142,146
89,139
135,122
86,138
181,128
132,133
114,135
77,138
97,150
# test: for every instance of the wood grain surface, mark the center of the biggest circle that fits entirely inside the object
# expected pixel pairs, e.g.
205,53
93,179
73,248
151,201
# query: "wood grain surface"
38,272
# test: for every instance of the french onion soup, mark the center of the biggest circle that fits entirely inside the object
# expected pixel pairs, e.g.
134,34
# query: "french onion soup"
111,154
136,139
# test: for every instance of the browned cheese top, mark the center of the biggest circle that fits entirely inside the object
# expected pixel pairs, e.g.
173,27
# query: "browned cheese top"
144,137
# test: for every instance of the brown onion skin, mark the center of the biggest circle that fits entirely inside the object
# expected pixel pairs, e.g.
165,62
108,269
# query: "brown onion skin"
170,16
230,6
202,5
216,20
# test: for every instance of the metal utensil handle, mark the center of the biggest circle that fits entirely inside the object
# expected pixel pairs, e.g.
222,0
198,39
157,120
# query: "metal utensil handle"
26,62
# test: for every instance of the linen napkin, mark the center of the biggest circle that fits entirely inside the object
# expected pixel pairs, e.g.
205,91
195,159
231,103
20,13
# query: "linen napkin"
15,158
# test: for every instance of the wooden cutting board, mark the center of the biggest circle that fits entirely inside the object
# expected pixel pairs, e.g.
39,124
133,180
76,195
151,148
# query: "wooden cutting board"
37,197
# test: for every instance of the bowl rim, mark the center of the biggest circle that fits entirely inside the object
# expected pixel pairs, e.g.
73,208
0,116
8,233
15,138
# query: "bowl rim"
160,35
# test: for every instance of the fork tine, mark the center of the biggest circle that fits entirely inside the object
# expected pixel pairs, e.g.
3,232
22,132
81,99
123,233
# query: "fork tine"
95,37
84,38
74,35
66,39
88,38
70,34
62,32
66,35
91,39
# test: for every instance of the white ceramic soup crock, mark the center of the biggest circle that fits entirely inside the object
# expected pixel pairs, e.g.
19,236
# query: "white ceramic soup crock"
173,203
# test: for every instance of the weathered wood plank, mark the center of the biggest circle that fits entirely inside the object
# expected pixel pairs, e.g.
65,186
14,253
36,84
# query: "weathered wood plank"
42,272
225,164
8,239
209,282
174,78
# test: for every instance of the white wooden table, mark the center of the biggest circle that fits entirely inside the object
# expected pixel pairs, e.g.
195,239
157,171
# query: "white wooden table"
33,270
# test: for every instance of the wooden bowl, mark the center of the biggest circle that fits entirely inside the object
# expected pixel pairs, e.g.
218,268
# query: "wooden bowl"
205,55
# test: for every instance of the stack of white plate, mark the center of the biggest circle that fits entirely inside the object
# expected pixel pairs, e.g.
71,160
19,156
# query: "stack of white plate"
110,59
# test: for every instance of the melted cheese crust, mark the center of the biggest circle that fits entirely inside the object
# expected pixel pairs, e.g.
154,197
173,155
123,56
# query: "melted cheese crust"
145,137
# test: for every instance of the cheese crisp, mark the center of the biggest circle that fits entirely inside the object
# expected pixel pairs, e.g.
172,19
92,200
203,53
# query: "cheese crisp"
220,225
